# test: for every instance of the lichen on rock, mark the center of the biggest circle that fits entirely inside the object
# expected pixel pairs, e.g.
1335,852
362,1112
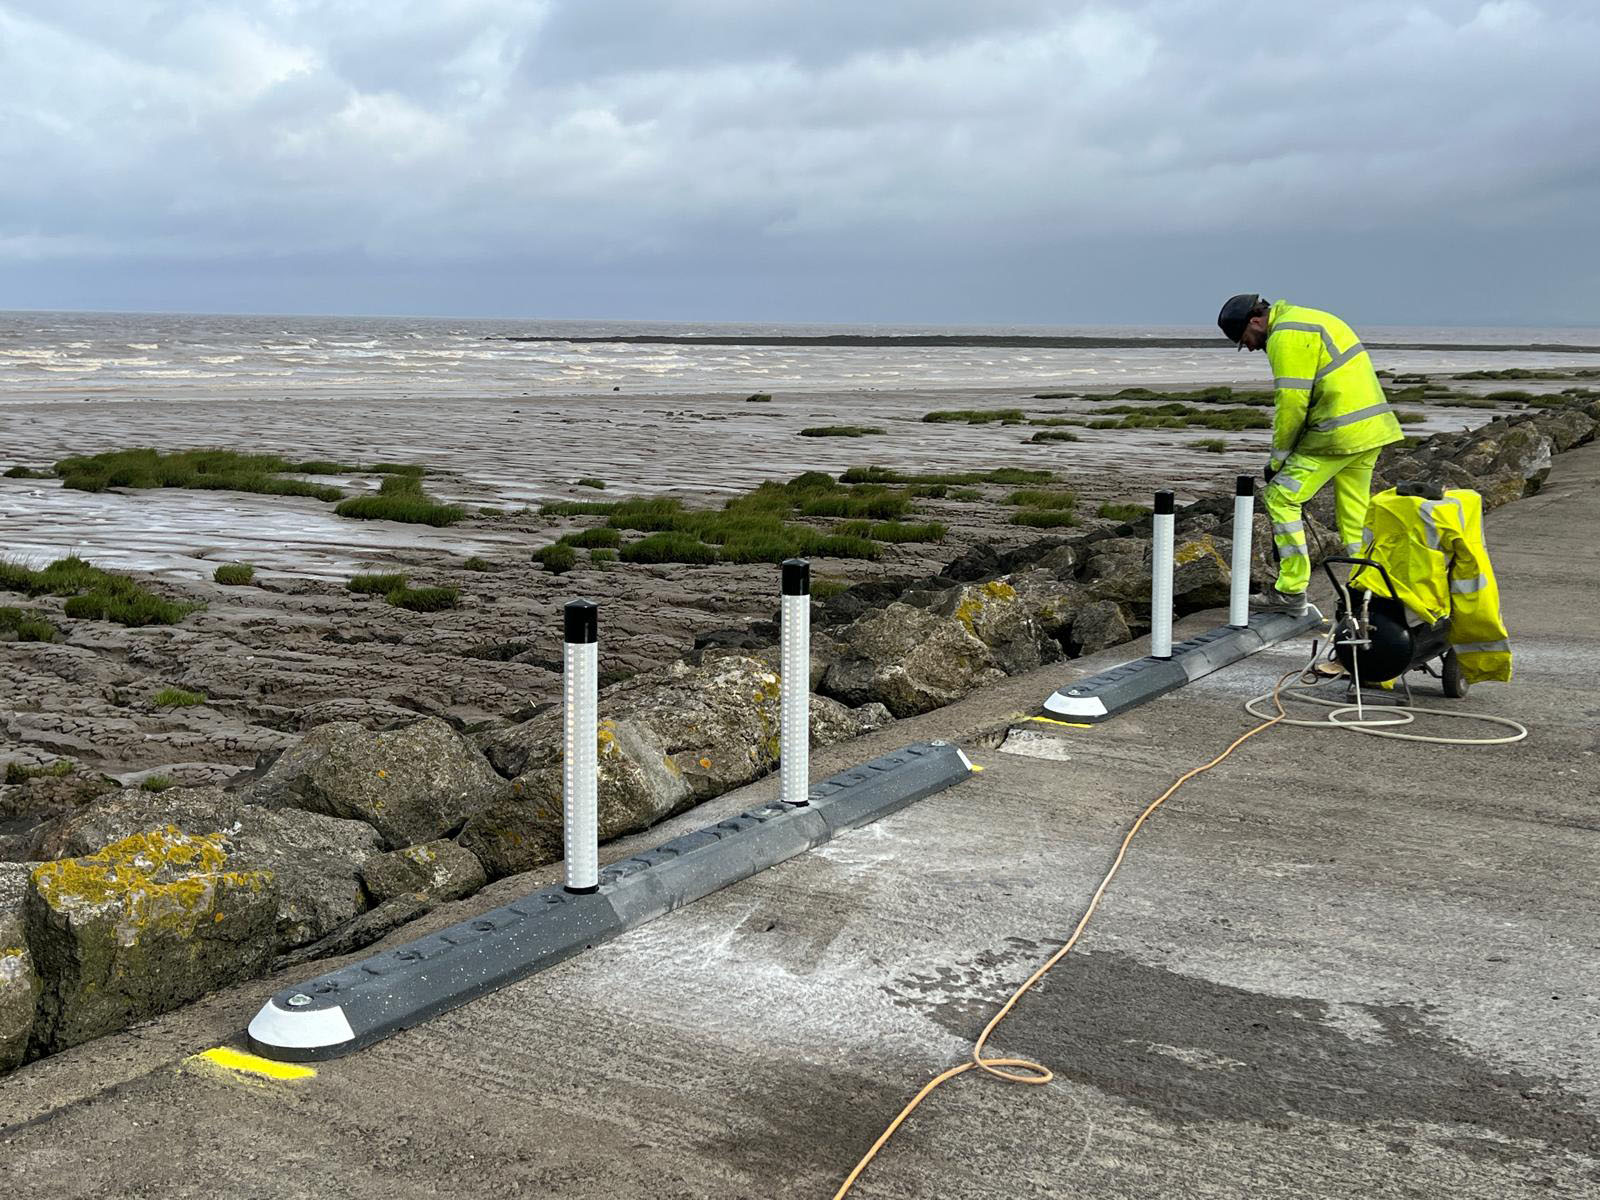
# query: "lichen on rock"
150,922
19,991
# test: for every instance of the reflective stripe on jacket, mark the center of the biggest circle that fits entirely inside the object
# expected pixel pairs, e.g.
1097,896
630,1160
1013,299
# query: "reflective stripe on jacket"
1435,553
1328,397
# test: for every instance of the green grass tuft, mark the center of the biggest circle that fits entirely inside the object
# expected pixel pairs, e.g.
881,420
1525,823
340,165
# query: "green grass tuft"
899,531
207,470
879,504
1054,435
17,773
558,558
1212,445
234,574
1533,373
1122,512
578,508
841,431
602,554
377,585
155,783
588,539
1407,417
424,599
477,564
977,416
668,546
410,508
1034,498
175,697
589,481
94,594
21,472
1044,518
758,398
27,625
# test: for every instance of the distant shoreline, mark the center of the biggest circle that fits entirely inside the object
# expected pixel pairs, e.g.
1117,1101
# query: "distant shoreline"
870,341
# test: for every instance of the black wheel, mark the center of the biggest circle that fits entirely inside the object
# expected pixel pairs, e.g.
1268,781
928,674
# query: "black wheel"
1455,683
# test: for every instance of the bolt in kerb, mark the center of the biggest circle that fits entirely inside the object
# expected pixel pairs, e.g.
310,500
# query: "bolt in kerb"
579,765
794,687
1161,577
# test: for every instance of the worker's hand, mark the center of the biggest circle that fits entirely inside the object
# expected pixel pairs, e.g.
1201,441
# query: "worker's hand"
1268,471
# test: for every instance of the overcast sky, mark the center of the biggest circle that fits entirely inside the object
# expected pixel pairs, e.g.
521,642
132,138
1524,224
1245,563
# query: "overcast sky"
958,161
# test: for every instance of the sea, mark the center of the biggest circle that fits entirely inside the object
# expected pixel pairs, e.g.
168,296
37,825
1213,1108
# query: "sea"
93,355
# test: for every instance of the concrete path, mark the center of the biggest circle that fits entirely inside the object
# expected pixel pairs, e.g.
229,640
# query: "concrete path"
1335,966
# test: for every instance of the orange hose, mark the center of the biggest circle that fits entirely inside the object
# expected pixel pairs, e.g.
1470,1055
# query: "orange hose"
1038,1073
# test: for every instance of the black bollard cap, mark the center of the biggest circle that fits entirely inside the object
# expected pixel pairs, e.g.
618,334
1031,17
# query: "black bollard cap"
796,577
1244,485
1164,504
581,622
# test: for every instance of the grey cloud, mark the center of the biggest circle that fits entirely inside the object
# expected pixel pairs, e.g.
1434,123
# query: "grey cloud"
611,145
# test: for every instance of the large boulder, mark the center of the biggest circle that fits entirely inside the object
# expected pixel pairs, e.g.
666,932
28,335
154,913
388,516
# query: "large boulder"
1098,626
1567,427
909,660
441,869
150,922
412,785
1118,569
1051,597
1003,620
19,991
317,860
1201,570
833,722
669,739
19,982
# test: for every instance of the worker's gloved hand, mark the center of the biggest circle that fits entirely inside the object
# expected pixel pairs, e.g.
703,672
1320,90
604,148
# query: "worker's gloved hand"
1268,471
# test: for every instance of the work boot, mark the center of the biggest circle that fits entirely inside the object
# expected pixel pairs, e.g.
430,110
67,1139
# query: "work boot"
1274,601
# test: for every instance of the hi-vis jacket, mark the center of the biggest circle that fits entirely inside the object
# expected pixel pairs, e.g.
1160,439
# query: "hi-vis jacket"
1329,401
1435,553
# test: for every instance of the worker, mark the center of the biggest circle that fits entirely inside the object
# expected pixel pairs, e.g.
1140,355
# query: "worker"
1330,422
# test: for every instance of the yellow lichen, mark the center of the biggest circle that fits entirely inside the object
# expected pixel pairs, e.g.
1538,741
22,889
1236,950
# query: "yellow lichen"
1200,547
421,855
705,764
160,875
976,601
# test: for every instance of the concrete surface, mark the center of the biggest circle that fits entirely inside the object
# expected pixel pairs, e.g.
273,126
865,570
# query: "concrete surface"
1335,966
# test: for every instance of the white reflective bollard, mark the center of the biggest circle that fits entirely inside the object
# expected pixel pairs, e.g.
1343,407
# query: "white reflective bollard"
794,730
580,765
1244,518
1161,577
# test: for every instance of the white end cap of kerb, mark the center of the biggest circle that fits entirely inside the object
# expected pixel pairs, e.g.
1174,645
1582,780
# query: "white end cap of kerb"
307,1029
1076,706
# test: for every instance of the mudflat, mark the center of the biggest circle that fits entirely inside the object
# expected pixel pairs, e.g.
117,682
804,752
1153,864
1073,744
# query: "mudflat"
295,646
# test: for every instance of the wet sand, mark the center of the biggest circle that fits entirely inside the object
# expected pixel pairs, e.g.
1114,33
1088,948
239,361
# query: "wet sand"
510,453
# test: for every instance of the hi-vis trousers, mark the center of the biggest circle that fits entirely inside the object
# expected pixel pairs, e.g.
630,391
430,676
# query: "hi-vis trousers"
1301,478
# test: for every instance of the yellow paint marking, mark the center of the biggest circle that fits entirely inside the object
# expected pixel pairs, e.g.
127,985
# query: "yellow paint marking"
975,768
235,1060
1063,724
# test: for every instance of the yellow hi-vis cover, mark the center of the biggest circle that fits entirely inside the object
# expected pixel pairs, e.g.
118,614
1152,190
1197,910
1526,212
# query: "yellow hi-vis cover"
1435,553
